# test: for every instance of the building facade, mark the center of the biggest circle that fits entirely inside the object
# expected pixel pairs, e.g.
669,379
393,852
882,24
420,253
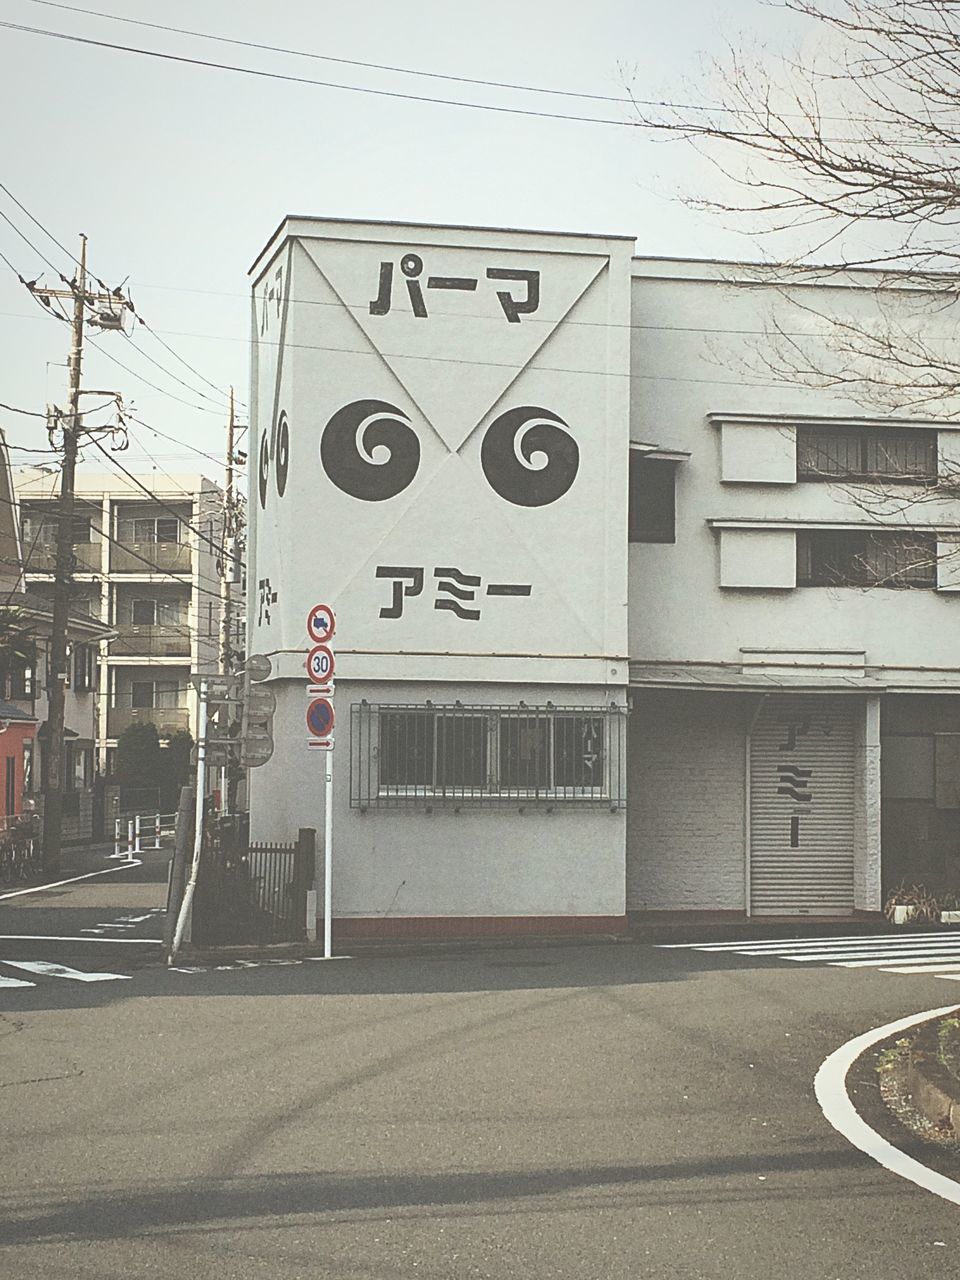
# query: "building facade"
628,619
150,570
26,628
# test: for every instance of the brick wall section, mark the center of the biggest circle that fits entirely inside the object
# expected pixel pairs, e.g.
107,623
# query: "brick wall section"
685,814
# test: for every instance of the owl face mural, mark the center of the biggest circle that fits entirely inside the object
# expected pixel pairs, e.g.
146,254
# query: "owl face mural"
442,439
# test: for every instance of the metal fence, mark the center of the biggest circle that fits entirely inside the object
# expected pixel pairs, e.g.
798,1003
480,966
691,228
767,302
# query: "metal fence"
253,894
21,851
417,756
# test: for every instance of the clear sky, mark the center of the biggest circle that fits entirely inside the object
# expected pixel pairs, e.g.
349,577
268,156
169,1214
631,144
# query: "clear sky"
179,174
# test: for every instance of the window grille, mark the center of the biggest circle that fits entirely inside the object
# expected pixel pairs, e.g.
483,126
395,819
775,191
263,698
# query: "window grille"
866,453
866,558
416,756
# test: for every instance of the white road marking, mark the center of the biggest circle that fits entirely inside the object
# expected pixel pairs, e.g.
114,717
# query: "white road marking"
930,958
830,1089
866,958
14,982
56,937
46,968
931,966
800,944
933,954
41,888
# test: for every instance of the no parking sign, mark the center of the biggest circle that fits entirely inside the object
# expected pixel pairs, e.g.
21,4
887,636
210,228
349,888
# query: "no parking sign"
321,664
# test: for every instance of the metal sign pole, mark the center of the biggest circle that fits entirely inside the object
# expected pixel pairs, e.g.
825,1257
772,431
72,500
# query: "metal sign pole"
187,902
328,858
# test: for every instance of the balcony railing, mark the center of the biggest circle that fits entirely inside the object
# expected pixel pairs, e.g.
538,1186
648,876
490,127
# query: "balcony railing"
150,557
42,557
168,720
140,641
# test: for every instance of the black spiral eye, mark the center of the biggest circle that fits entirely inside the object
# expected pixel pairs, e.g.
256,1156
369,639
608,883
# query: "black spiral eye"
283,453
369,450
511,452
263,469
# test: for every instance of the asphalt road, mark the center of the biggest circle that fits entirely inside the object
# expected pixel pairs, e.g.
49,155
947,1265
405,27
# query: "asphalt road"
591,1111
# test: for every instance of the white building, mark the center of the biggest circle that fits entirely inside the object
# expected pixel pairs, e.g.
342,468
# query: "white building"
542,482
147,568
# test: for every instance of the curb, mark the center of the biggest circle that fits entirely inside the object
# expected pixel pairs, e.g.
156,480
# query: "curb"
935,1090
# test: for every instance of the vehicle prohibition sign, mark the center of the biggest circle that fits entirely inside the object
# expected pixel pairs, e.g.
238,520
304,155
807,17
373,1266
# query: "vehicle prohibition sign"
321,623
320,664
320,718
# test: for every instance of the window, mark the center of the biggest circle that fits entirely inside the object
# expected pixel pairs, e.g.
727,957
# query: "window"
402,755
652,500
147,694
168,529
23,682
141,693
84,668
866,453
143,613
866,558
150,529
27,766
78,767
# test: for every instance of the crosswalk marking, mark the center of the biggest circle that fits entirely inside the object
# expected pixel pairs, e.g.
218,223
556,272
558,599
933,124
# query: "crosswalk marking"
47,968
795,944
933,954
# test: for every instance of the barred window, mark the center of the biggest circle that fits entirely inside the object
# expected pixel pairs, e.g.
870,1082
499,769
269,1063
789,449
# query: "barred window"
866,558
404,756
866,453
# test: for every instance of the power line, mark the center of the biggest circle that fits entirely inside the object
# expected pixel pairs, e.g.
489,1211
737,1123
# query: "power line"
164,369
33,500
323,84
126,302
625,99
29,242
199,407
173,440
348,62
28,413
159,501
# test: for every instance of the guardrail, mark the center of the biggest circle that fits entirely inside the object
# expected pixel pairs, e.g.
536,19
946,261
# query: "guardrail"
141,832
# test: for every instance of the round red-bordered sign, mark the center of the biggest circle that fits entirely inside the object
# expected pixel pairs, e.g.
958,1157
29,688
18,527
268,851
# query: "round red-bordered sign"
320,718
321,664
321,623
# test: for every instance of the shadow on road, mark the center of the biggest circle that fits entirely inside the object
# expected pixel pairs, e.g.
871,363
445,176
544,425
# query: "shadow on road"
118,1213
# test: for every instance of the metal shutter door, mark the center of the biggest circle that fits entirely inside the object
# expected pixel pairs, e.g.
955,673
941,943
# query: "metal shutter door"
802,767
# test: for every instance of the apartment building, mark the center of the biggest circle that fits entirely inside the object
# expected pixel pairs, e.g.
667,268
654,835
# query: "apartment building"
149,569
630,618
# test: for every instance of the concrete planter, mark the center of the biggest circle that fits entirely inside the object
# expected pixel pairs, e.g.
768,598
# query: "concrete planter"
950,917
903,914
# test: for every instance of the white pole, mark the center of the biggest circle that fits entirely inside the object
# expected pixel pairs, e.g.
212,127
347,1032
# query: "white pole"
328,858
136,836
187,902
116,837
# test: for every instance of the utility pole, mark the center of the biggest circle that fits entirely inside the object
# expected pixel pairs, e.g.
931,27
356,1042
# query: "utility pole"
63,574
229,552
53,786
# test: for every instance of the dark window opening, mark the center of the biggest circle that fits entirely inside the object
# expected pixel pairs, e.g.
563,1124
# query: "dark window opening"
652,502
866,558
866,453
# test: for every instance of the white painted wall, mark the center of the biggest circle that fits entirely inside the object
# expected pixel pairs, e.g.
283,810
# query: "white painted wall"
686,787
449,377
701,341
490,862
